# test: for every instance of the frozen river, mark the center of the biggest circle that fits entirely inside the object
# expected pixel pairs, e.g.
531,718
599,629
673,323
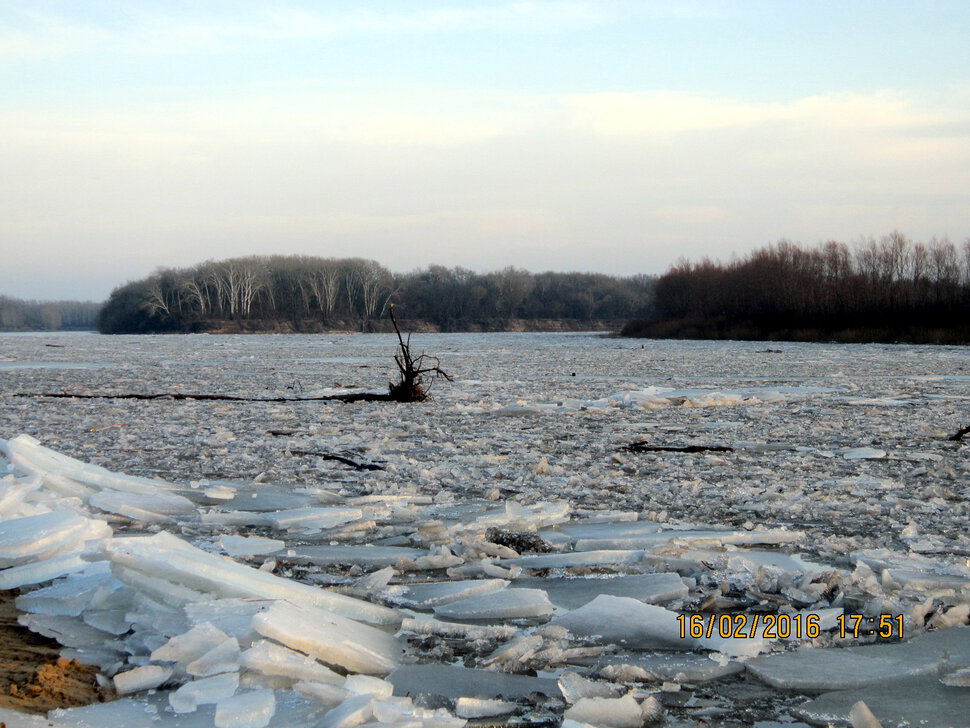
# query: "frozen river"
833,459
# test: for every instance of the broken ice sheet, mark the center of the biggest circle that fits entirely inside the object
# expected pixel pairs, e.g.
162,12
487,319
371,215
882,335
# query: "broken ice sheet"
270,658
313,519
141,678
435,593
332,639
687,667
174,560
235,545
818,669
613,712
361,555
70,596
164,504
574,592
900,703
863,453
206,691
503,604
632,624
253,709
23,540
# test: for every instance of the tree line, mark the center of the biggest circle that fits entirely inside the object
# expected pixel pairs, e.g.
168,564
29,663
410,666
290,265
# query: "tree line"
303,293
886,289
19,315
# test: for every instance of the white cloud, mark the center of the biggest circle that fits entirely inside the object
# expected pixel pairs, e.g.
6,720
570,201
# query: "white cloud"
482,180
141,30
670,112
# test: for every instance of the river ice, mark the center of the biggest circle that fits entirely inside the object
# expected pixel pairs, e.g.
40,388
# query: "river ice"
510,545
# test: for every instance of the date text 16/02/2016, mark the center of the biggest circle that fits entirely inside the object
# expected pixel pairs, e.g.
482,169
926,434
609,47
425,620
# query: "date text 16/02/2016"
787,626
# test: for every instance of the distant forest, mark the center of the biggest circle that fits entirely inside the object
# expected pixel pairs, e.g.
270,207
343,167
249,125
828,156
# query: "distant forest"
300,293
886,290
17,315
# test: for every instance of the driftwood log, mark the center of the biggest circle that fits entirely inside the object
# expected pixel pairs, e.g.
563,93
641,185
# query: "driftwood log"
643,447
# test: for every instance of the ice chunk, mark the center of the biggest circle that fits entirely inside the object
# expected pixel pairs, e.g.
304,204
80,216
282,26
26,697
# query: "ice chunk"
160,590
575,687
907,701
192,645
456,629
504,604
573,593
269,500
314,519
270,658
628,623
29,454
168,557
25,539
817,669
126,504
863,453
71,595
526,518
354,711
862,717
69,631
482,707
957,678
250,546
361,555
367,685
112,621
333,639
696,537
232,616
235,518
689,667
247,710
609,712
206,691
224,657
516,652
12,494
141,678
325,692
433,594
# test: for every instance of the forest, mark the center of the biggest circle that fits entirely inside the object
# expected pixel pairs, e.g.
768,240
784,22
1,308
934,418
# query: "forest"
309,294
19,315
890,289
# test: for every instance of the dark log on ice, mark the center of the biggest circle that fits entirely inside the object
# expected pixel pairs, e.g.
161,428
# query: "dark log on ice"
339,459
960,434
351,397
643,447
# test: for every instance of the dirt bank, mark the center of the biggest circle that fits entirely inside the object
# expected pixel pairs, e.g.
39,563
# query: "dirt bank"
34,678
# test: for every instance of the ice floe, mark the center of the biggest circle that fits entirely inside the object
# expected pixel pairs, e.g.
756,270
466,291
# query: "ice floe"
509,568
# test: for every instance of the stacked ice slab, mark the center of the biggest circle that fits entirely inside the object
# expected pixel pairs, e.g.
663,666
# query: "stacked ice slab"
189,637
154,611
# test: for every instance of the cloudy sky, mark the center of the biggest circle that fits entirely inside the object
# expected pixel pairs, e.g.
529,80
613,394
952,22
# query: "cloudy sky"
593,135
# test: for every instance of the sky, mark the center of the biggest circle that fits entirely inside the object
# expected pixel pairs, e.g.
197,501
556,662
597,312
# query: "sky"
611,135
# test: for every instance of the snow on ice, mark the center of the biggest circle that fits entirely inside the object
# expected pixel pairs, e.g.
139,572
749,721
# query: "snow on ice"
511,562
